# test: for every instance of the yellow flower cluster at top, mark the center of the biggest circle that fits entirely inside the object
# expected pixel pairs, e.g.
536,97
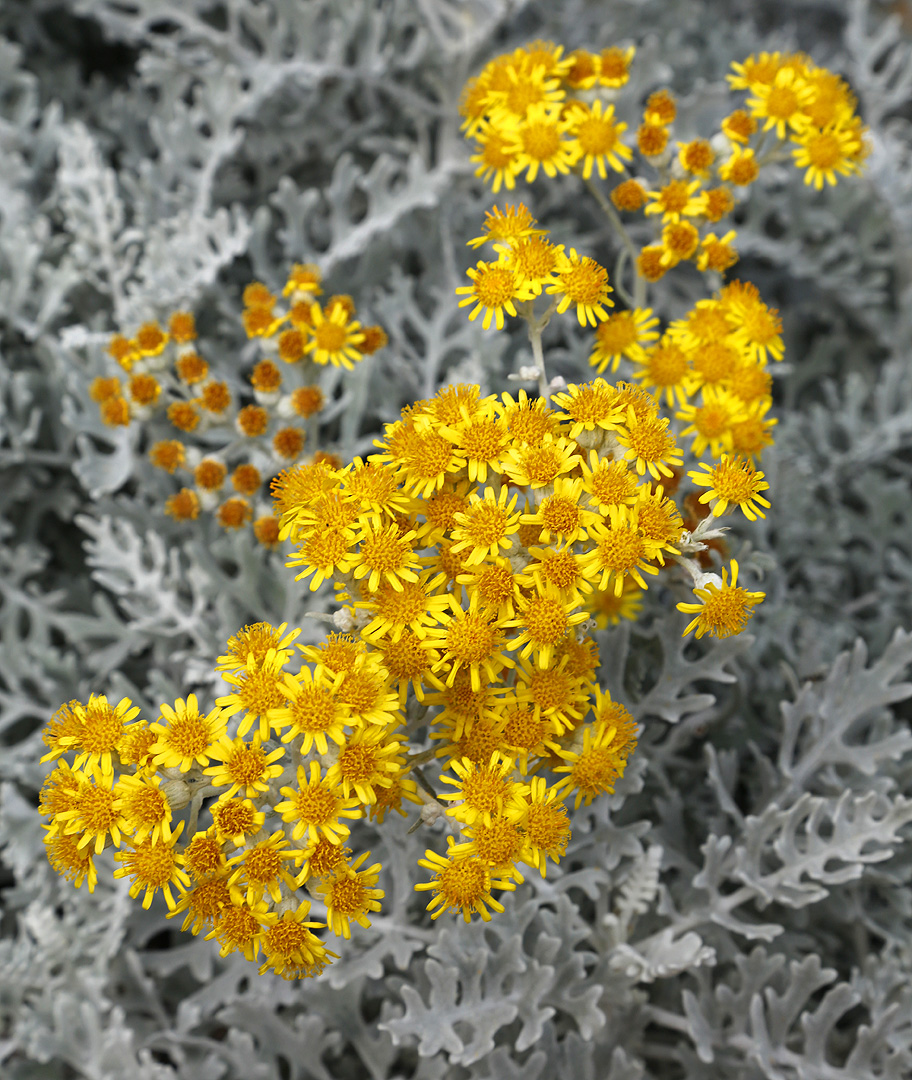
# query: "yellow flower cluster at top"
228,449
537,110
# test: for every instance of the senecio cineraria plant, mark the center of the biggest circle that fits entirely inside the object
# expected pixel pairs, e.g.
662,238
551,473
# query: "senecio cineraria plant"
472,554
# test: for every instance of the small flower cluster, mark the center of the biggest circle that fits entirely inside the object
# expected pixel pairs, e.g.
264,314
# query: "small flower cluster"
537,110
311,746
230,448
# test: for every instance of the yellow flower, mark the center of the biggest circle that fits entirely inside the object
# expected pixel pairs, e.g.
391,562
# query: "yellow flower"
256,639
824,153
313,711
485,526
485,791
290,949
257,690
153,867
414,607
614,66
782,103
723,609
496,158
619,550
145,808
350,894
316,808
608,609
263,867
711,422
507,226
589,406
366,764
544,822
385,556
623,334
666,369
593,768
544,620
469,639
494,287
649,445
674,200
539,142
583,282
334,339
72,862
538,465
733,482
186,737
93,730
560,514
597,138
245,767
717,253
461,883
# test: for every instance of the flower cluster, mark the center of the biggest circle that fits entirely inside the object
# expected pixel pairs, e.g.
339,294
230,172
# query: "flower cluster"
537,110
225,441
283,762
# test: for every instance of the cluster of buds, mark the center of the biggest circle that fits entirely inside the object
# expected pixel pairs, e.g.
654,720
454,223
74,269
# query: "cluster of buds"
226,440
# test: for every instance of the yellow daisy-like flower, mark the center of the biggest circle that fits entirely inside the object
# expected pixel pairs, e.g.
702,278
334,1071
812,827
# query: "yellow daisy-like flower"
620,550
545,620
717,253
95,814
461,883
623,334
711,423
334,338
313,712
756,70
538,465
494,287
732,482
236,820
485,791
416,606
290,949
153,867
675,200
245,766
649,445
608,609
560,515
367,763
469,640
539,142
257,690
824,153
583,282
723,609
666,370
498,845
94,731
496,159
485,526
72,862
145,808
534,260
592,769
386,556
263,867
256,639
481,439
597,138
315,808
614,66
589,406
350,895
507,226
239,927
782,103
741,168
545,824
186,737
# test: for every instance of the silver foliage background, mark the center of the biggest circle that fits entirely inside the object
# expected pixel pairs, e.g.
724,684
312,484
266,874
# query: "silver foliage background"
742,907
